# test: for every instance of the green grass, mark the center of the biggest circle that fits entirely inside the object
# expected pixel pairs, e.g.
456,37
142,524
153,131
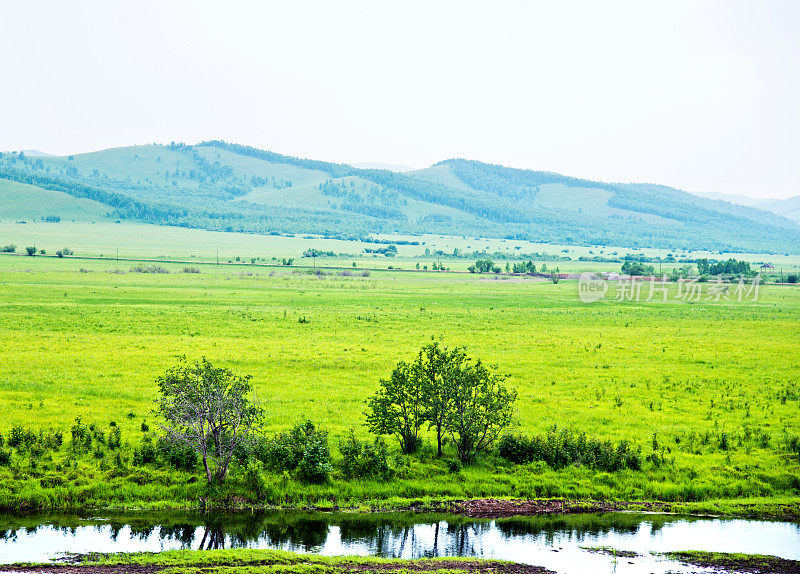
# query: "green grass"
736,562
22,202
79,340
104,238
242,560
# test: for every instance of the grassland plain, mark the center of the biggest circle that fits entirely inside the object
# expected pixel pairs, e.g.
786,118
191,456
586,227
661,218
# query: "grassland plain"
88,338
103,238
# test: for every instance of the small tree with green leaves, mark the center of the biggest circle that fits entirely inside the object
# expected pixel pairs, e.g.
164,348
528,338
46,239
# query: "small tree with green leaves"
397,408
207,408
435,368
480,408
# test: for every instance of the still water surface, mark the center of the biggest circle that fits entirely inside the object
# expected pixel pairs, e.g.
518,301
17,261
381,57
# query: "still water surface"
557,543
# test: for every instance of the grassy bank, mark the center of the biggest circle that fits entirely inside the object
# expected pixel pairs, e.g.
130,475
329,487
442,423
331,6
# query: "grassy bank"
241,561
246,561
727,562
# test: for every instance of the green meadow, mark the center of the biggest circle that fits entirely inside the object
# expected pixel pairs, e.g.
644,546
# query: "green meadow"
102,238
711,387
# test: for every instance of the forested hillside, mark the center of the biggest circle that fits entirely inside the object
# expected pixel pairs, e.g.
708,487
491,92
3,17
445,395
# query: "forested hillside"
228,187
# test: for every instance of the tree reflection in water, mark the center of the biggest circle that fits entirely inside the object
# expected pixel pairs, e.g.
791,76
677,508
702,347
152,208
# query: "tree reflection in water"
397,535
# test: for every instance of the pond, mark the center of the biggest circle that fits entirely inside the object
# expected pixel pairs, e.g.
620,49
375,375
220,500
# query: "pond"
556,542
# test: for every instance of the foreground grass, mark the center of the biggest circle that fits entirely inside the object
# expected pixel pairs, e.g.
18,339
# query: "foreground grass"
733,562
714,384
247,561
240,561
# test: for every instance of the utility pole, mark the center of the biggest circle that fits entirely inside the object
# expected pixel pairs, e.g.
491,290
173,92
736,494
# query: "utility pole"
118,254
217,257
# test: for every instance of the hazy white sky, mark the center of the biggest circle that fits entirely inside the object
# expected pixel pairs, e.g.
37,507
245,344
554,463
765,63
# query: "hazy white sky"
700,95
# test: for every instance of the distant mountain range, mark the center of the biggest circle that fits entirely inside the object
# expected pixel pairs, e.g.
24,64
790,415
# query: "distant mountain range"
789,207
229,187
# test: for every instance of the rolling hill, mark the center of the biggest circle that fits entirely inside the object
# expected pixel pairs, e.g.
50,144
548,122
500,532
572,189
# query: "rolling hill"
788,208
228,187
23,202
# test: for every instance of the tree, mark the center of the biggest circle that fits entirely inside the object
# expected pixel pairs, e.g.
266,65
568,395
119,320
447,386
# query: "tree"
523,267
31,251
397,408
436,369
207,409
485,266
480,408
437,388
635,268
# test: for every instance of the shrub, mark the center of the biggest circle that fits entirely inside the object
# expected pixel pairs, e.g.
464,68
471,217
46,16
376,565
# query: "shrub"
364,460
81,437
285,450
277,454
47,440
793,446
793,278
304,448
145,454
177,454
191,270
21,438
148,269
516,449
5,457
16,436
114,437
64,252
565,447
315,467
8,248
254,480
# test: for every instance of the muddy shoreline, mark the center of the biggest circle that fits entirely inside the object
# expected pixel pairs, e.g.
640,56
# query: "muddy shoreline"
473,508
500,508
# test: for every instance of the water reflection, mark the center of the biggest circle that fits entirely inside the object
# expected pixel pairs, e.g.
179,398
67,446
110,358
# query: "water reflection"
401,535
